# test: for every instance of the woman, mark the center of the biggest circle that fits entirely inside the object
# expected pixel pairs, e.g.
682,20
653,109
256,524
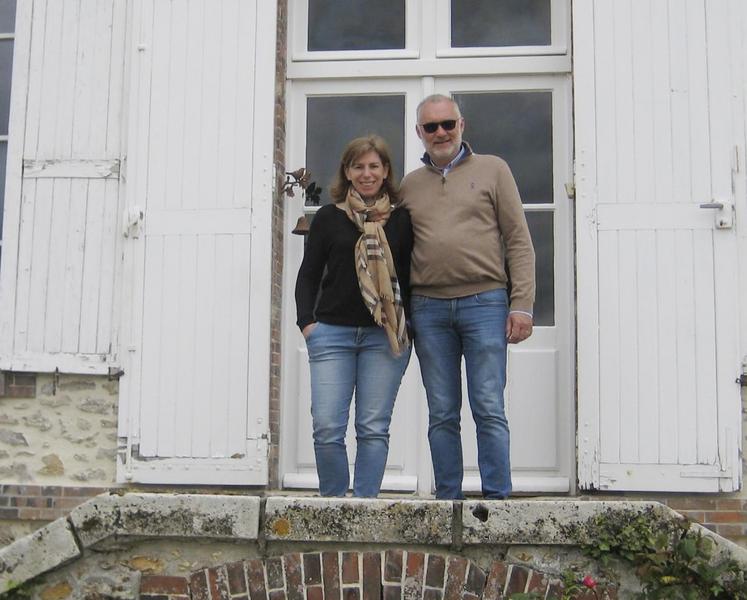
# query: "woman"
356,332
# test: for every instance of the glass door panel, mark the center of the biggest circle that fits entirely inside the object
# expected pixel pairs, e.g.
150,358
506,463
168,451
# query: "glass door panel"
332,121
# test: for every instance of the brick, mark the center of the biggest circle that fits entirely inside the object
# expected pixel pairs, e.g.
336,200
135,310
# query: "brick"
51,490
312,569
475,580
414,572
8,513
731,504
517,579
392,592
694,515
293,576
350,567
456,573
236,578
276,595
218,584
331,574
429,594
371,576
255,577
162,584
198,585
274,568
537,582
314,593
725,517
692,503
393,565
554,591
434,574
731,530
142,597
351,594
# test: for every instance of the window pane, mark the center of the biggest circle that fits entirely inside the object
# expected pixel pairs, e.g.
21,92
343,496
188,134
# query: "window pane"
332,121
7,16
6,70
356,25
541,228
516,126
480,23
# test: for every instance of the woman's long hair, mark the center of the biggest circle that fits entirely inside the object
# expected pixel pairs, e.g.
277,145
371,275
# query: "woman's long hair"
353,151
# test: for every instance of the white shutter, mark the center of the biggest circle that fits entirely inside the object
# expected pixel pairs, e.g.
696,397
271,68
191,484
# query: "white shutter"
659,132
194,395
58,275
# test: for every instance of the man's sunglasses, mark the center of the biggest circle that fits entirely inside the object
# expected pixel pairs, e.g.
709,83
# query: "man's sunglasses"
447,125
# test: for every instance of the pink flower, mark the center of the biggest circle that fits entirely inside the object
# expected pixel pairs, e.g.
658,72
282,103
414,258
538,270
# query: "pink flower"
589,582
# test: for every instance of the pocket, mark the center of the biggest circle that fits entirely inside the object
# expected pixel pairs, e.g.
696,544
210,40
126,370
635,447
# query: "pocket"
313,331
497,297
417,302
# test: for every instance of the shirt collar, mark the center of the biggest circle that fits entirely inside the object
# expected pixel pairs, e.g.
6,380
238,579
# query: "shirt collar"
464,151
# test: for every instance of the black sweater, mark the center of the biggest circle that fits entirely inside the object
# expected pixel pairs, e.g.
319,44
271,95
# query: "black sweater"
331,244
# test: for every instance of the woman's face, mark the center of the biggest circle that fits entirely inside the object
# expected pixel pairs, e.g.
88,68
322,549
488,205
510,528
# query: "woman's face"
367,174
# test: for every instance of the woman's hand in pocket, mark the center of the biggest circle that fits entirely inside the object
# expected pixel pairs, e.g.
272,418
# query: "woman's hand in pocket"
307,330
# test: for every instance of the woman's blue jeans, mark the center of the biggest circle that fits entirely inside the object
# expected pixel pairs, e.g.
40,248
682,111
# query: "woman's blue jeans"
344,360
445,330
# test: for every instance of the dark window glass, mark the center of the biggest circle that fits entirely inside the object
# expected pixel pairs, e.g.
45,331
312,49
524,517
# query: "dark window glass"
6,72
332,121
516,126
7,16
356,25
481,23
541,227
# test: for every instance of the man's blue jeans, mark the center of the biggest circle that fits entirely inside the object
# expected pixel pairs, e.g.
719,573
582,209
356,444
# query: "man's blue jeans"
342,360
445,330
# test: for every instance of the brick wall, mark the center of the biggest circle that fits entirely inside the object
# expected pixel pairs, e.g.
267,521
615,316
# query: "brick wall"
278,232
388,575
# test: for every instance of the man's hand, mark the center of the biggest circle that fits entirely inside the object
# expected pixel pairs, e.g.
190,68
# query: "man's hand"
518,327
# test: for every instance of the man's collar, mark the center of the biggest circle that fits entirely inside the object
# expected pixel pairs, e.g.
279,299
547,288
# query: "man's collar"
464,152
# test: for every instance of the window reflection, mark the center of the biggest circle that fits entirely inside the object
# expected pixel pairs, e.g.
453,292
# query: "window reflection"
332,121
489,23
356,25
541,227
516,126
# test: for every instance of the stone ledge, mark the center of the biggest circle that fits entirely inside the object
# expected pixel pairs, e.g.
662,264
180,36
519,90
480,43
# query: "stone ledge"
46,549
358,520
166,515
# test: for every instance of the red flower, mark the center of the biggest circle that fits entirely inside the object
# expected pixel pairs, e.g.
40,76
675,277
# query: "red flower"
589,582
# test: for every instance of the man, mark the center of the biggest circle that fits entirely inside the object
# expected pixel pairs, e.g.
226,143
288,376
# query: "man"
468,223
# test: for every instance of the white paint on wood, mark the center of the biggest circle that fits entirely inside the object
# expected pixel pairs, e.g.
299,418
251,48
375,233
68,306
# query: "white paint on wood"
196,323
59,262
657,279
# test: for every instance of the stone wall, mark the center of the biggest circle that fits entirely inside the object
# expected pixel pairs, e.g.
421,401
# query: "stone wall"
281,548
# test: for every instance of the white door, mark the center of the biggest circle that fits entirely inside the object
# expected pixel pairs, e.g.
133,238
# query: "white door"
660,142
197,251
340,87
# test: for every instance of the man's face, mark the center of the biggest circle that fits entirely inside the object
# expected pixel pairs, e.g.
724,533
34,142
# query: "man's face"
442,144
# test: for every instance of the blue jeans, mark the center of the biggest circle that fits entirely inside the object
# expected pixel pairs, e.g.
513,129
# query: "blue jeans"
342,360
445,330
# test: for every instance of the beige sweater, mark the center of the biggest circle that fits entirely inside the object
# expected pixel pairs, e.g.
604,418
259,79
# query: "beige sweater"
462,224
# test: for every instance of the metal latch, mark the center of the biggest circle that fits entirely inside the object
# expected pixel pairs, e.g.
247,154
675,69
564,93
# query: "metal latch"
132,222
724,217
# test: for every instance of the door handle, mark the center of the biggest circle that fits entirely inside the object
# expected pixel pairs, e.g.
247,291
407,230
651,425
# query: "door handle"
724,217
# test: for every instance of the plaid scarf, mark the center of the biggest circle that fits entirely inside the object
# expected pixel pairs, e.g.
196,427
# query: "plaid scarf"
374,266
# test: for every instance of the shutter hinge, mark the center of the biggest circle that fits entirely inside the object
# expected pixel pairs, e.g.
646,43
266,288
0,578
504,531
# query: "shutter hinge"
115,373
570,190
742,380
